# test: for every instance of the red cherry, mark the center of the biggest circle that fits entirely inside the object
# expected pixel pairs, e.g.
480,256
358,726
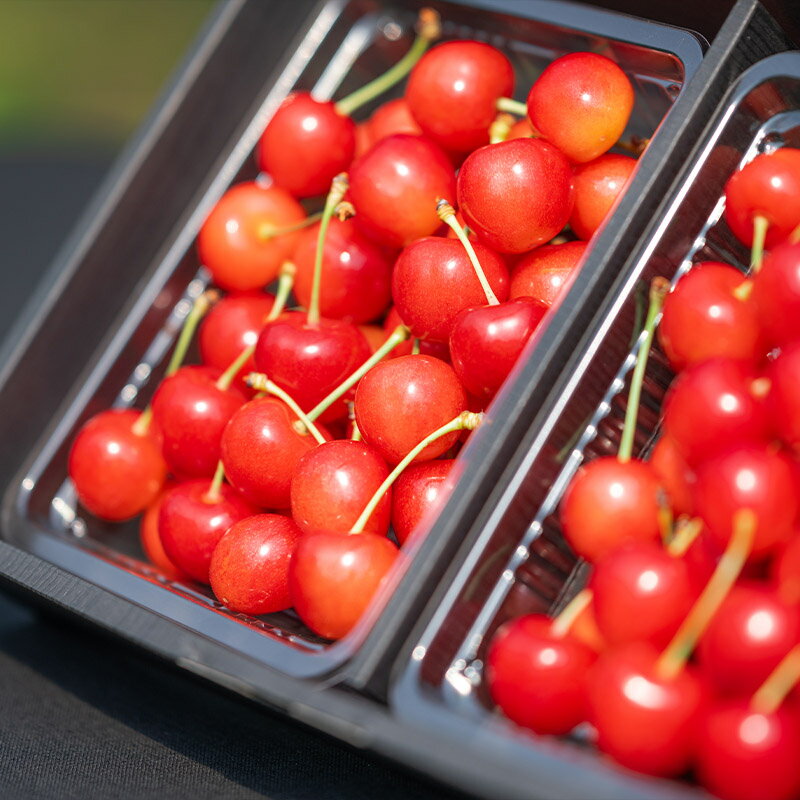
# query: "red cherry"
249,569
515,195
597,186
334,482
536,677
704,319
546,271
783,400
434,280
522,129
581,103
400,402
150,538
232,325
116,471
769,186
746,755
306,144
391,118
644,721
394,188
486,342
418,494
364,138
673,474
776,295
427,347
375,335
609,503
261,447
356,274
453,91
191,523
350,569
234,242
785,570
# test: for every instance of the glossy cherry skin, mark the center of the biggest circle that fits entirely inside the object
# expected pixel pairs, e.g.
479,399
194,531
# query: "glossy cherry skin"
306,145
261,447
581,103
453,90
776,295
609,503
117,473
486,342
433,281
785,570
393,117
249,569
768,186
645,722
597,186
428,347
546,272
703,318
234,242
536,677
150,538
333,579
754,477
750,633
418,494
394,188
310,361
515,195
356,274
191,412
712,404
746,755
644,578
673,474
191,524
232,325
333,484
400,402
783,400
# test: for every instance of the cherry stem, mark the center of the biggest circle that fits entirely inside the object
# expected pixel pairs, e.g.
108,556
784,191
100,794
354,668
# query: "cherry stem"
466,420
665,522
429,29
686,531
501,127
512,106
571,611
672,660
760,226
226,379
267,231
743,290
400,334
658,291
339,187
356,436
794,236
285,284
771,693
201,305
636,145
260,382
142,424
448,216
213,495
415,346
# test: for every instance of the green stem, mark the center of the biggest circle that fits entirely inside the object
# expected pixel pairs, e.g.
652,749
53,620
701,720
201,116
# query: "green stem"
400,334
226,379
428,30
338,190
512,106
770,695
760,226
142,424
267,231
564,621
501,128
794,236
199,309
285,284
466,420
686,531
448,216
415,346
658,291
213,495
356,437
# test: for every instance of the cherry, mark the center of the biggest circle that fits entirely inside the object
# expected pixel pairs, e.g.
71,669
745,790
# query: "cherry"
364,138
333,579
356,283
391,118
673,474
522,129
597,186
116,465
545,272
776,295
515,195
427,347
486,341
537,676
333,482
434,280
249,569
394,188
705,318
401,401
712,404
453,92
581,103
150,538
418,494
785,570
783,400
193,518
236,242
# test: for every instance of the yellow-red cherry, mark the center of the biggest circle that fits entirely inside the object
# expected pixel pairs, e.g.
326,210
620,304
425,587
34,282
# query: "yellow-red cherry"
546,272
597,185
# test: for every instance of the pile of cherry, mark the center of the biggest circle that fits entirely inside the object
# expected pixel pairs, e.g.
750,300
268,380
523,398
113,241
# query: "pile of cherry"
289,435
684,650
